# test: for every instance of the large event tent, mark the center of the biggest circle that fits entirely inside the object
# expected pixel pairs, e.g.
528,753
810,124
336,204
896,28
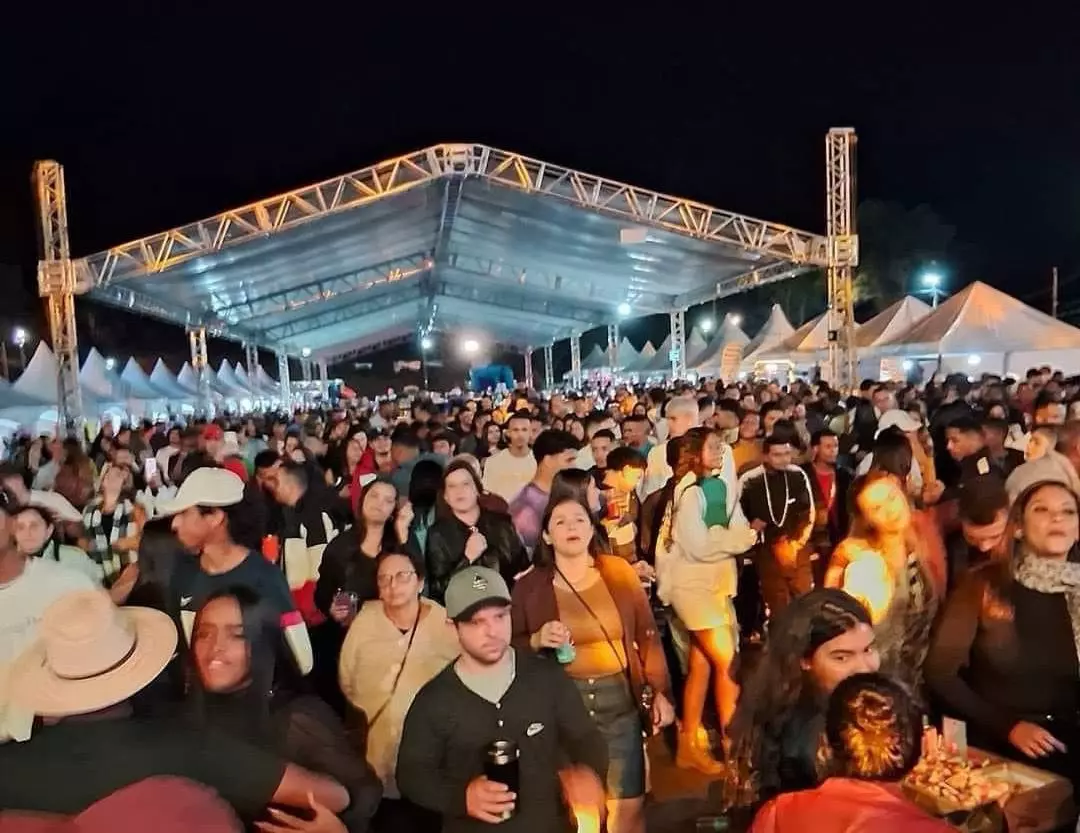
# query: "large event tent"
728,339
982,329
773,332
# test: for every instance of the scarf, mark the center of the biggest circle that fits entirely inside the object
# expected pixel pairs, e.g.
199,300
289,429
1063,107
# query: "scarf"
1048,575
101,545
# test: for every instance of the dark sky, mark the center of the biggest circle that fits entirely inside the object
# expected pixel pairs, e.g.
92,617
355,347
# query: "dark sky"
161,116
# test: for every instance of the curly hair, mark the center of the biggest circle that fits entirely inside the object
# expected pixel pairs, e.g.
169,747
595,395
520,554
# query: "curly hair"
778,684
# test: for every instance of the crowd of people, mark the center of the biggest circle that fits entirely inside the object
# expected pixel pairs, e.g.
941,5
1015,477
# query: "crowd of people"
484,611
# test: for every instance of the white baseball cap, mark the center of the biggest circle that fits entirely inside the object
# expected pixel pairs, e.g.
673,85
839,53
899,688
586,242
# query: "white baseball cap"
897,418
205,487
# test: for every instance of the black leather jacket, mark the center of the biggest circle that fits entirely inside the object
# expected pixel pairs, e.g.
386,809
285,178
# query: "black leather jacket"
446,550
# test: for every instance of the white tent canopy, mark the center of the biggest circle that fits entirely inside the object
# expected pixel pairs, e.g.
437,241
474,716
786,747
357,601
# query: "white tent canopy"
263,380
891,322
696,347
773,332
104,384
596,360
139,384
164,379
992,332
227,378
729,334
627,354
643,357
661,361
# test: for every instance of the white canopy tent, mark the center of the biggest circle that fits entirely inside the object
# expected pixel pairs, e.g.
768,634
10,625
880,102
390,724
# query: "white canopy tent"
728,339
773,332
696,346
596,360
660,363
981,329
139,384
644,356
166,380
627,354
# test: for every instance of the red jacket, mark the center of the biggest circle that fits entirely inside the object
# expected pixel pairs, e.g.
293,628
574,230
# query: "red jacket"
843,805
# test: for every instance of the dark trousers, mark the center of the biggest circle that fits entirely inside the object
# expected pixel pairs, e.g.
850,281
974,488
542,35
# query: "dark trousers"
780,585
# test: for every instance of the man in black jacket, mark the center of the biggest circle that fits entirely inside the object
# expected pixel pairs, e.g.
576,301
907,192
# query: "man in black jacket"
494,693
829,485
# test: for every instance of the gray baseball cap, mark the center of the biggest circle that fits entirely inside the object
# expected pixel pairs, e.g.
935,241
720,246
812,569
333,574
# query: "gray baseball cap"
473,588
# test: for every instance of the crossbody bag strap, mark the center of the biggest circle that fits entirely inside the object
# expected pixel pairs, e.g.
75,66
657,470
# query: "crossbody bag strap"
400,671
625,666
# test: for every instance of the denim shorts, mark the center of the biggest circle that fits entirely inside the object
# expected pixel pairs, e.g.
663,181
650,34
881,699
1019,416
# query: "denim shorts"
615,711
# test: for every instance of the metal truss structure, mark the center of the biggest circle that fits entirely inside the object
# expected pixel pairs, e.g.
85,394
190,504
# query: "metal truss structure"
613,346
251,359
843,253
457,193
575,361
200,363
59,283
678,344
528,368
284,381
549,368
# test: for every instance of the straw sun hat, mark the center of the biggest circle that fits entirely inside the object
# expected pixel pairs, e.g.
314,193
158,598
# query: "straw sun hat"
90,655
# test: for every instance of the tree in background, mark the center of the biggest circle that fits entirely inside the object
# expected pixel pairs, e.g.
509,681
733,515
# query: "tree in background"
896,245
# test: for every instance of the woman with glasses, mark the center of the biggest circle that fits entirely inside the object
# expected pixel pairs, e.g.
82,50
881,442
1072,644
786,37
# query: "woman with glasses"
393,648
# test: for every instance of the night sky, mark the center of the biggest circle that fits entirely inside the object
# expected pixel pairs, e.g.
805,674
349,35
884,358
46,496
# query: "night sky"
162,117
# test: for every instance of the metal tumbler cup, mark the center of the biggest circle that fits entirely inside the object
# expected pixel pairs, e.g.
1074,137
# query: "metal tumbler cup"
501,766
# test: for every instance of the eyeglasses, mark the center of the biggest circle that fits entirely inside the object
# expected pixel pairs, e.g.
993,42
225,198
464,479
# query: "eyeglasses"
395,578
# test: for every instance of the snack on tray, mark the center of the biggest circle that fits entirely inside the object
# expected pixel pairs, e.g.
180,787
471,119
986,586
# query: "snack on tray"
964,782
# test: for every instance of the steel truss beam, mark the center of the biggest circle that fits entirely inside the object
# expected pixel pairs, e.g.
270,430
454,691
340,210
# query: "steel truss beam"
843,251
316,320
528,368
159,252
567,315
678,344
200,363
575,361
251,359
335,356
359,280
551,282
613,346
284,380
751,279
59,282
549,368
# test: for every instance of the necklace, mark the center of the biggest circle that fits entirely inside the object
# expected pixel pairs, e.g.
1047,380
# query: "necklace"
779,524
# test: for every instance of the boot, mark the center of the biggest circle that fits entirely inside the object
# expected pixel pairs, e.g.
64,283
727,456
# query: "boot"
694,753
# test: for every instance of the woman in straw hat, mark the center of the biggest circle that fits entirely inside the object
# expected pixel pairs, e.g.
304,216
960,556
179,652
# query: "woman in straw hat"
91,658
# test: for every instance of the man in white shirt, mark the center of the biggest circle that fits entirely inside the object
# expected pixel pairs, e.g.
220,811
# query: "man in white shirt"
506,472
682,415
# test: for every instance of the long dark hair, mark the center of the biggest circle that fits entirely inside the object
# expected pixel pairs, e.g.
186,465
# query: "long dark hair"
272,674
545,553
389,535
779,683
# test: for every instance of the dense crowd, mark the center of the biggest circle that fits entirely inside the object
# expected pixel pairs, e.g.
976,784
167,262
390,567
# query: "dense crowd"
494,610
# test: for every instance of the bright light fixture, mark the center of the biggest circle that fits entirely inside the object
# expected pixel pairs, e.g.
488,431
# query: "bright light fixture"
932,279
736,320
110,364
908,364
624,308
426,343
974,359
305,352
470,345
20,335
706,325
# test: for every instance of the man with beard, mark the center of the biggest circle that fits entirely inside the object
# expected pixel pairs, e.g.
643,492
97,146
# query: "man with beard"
493,693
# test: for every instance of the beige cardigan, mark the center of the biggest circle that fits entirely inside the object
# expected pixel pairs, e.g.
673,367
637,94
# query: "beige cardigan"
370,659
